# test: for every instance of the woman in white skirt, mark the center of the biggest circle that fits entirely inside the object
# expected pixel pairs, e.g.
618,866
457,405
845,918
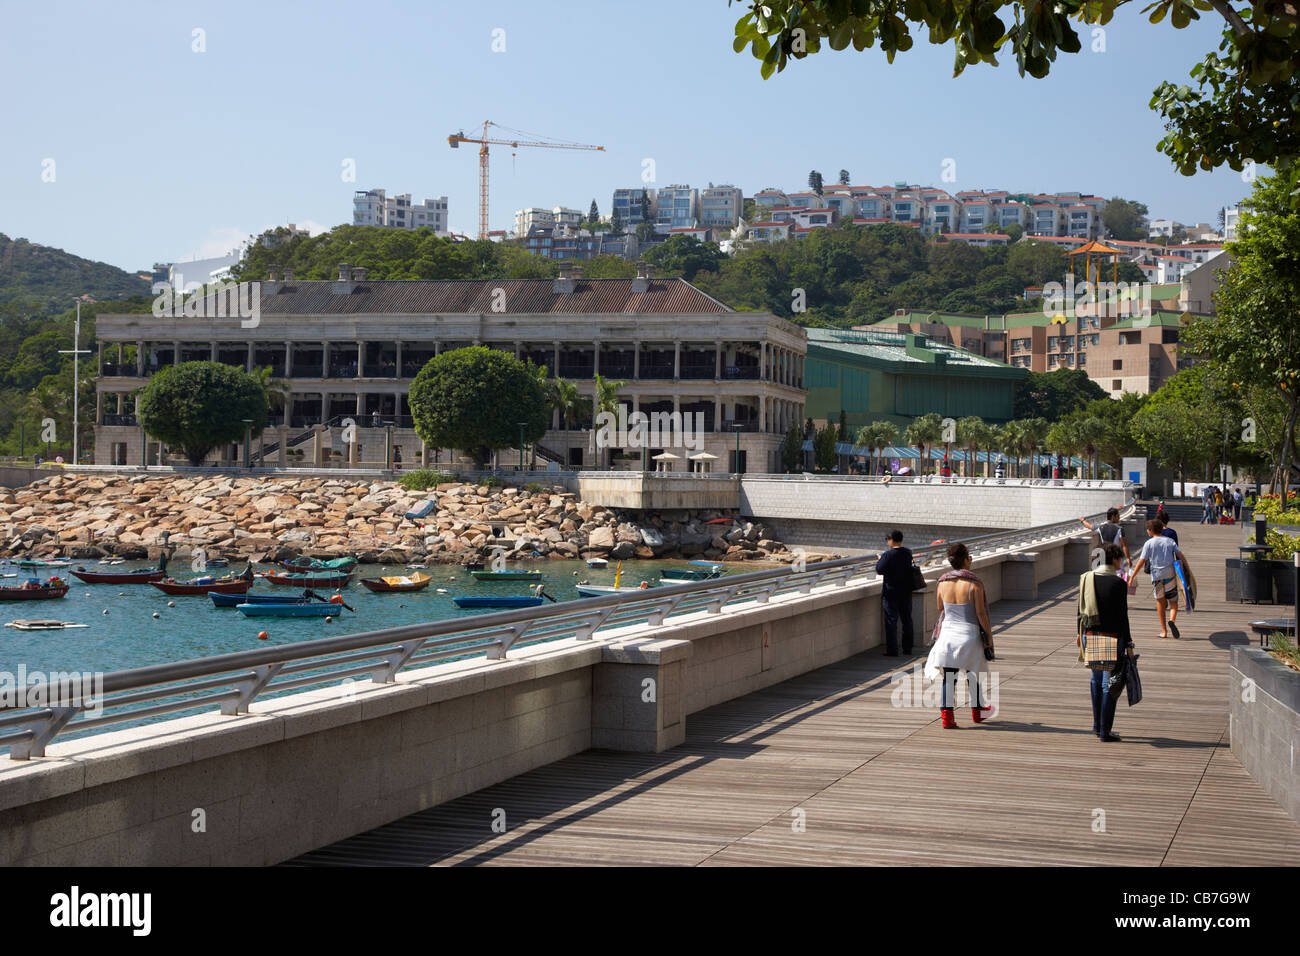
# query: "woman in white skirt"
963,610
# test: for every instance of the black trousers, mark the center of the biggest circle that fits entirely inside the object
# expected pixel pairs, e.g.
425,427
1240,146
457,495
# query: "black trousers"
897,605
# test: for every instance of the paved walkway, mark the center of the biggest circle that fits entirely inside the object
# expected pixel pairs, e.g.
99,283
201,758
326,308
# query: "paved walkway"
824,769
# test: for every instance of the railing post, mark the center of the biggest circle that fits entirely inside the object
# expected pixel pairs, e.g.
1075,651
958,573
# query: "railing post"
249,688
397,660
43,733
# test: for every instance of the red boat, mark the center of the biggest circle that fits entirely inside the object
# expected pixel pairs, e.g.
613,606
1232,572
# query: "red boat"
120,577
309,580
53,588
223,586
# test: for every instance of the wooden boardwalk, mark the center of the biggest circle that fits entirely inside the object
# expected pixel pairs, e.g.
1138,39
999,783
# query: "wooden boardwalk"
824,769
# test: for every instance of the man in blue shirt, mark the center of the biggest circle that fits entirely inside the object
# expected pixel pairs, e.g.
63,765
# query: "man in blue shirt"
1160,553
895,567
1165,530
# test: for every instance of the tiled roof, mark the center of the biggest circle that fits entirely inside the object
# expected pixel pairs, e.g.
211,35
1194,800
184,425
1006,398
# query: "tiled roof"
470,296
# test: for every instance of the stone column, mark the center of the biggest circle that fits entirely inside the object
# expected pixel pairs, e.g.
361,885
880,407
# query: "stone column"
324,368
437,347
516,349
401,369
248,365
212,347
176,353
99,358
99,407
595,358
139,359
717,360
361,359
677,359
717,414
556,344
762,361
120,403
636,360
762,413
288,359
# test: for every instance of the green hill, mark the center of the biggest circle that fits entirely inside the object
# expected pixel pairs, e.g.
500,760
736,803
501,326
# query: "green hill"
46,279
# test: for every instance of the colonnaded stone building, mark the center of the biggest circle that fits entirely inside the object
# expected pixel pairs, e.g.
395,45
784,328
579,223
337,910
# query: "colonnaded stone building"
349,348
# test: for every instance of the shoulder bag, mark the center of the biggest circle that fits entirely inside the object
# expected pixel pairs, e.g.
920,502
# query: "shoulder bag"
918,579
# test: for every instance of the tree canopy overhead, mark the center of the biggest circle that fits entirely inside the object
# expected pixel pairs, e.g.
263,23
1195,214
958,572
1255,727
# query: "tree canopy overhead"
199,406
1243,106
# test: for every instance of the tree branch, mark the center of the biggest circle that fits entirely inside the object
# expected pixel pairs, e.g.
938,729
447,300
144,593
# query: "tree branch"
1232,16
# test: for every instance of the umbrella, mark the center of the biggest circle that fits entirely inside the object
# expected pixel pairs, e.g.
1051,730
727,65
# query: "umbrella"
667,456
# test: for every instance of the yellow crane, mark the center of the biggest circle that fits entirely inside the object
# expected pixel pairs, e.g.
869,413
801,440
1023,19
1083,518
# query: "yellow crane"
455,139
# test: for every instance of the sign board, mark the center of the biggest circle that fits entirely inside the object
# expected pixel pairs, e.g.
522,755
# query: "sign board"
1134,470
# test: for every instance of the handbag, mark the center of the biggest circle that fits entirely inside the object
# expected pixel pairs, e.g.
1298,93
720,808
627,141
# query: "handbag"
987,640
918,579
1100,651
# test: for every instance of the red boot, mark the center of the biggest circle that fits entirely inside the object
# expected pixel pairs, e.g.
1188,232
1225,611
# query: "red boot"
949,720
976,714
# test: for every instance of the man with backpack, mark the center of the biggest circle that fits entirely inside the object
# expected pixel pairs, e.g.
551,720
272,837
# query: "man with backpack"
1109,531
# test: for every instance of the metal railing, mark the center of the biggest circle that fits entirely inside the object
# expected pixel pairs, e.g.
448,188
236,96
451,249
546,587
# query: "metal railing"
233,681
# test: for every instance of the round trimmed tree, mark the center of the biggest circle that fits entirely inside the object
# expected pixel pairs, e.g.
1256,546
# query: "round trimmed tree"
475,398
199,406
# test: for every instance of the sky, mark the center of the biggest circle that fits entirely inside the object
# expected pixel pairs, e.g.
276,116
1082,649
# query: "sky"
140,131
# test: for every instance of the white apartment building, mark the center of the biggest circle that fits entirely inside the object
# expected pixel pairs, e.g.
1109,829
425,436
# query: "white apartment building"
374,207
527,219
676,206
1163,227
721,206
1231,219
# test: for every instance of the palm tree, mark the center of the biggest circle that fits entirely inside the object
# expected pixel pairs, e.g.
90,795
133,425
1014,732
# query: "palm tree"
1034,433
1092,431
924,432
564,398
605,399
276,391
1064,437
1009,438
876,437
971,432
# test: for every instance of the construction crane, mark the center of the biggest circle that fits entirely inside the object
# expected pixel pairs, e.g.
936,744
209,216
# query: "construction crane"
455,139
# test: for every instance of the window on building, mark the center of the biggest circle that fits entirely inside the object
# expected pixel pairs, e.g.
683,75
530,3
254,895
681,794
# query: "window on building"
1116,385
1117,365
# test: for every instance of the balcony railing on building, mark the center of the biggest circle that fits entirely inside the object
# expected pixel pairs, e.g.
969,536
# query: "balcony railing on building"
124,370
119,420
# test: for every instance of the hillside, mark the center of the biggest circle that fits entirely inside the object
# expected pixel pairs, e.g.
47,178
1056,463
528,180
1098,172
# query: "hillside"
47,279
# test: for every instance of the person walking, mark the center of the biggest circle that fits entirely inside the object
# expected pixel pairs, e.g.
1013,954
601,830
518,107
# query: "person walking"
1109,531
1207,499
895,567
963,615
1237,501
1159,554
1165,530
1103,613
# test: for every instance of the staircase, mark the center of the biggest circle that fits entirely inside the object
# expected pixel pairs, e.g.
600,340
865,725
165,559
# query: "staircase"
294,441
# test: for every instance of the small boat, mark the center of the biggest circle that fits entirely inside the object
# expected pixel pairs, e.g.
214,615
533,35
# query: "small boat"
312,564
507,575
30,563
704,571
502,601
421,510
596,562
300,609
600,590
139,576
397,582
204,586
43,625
309,579
472,566
35,590
225,599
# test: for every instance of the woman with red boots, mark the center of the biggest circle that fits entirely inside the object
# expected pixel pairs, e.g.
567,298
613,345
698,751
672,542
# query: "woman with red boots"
959,646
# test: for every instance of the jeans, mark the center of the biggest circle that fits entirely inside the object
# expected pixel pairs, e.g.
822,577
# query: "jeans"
949,696
1103,704
897,604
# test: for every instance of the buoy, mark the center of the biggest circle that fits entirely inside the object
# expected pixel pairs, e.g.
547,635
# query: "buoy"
156,614
329,620
121,594
262,635
171,603
105,610
87,594
336,598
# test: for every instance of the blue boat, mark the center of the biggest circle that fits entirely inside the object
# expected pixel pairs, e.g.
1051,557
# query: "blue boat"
313,609
502,601
421,510
234,600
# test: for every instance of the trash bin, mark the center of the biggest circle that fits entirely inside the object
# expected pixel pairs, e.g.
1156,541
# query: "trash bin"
1256,574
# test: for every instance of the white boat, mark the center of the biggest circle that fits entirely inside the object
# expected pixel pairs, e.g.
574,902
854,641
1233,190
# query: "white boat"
43,625
600,590
596,562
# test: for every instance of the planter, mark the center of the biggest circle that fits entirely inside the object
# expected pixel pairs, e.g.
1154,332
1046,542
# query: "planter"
1264,701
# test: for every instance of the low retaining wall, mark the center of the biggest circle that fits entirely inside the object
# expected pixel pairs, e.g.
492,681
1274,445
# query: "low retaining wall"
1264,722
309,769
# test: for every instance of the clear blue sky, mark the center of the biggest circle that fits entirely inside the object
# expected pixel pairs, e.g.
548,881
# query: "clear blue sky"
162,153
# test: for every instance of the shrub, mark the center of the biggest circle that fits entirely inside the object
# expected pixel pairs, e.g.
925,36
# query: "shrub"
492,481
534,488
1270,506
1283,545
422,479
1284,649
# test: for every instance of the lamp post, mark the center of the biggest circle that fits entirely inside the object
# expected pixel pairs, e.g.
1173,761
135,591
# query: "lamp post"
521,425
248,433
76,351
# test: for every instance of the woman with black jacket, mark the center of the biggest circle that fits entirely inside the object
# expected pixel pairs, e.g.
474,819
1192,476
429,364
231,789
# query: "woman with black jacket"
1103,611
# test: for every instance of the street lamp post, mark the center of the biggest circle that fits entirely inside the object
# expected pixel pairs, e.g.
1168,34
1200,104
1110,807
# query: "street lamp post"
521,425
76,352
248,431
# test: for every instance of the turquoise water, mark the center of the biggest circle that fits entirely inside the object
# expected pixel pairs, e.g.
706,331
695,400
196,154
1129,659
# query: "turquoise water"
129,636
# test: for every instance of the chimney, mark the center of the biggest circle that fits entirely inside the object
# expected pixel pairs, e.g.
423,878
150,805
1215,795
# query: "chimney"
576,270
288,275
642,281
344,271
359,274
564,283
344,284
274,273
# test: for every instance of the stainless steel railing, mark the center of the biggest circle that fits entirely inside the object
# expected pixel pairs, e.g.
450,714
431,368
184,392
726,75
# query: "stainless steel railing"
233,681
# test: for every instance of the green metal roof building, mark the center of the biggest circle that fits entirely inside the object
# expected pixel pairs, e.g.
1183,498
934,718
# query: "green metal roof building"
896,376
